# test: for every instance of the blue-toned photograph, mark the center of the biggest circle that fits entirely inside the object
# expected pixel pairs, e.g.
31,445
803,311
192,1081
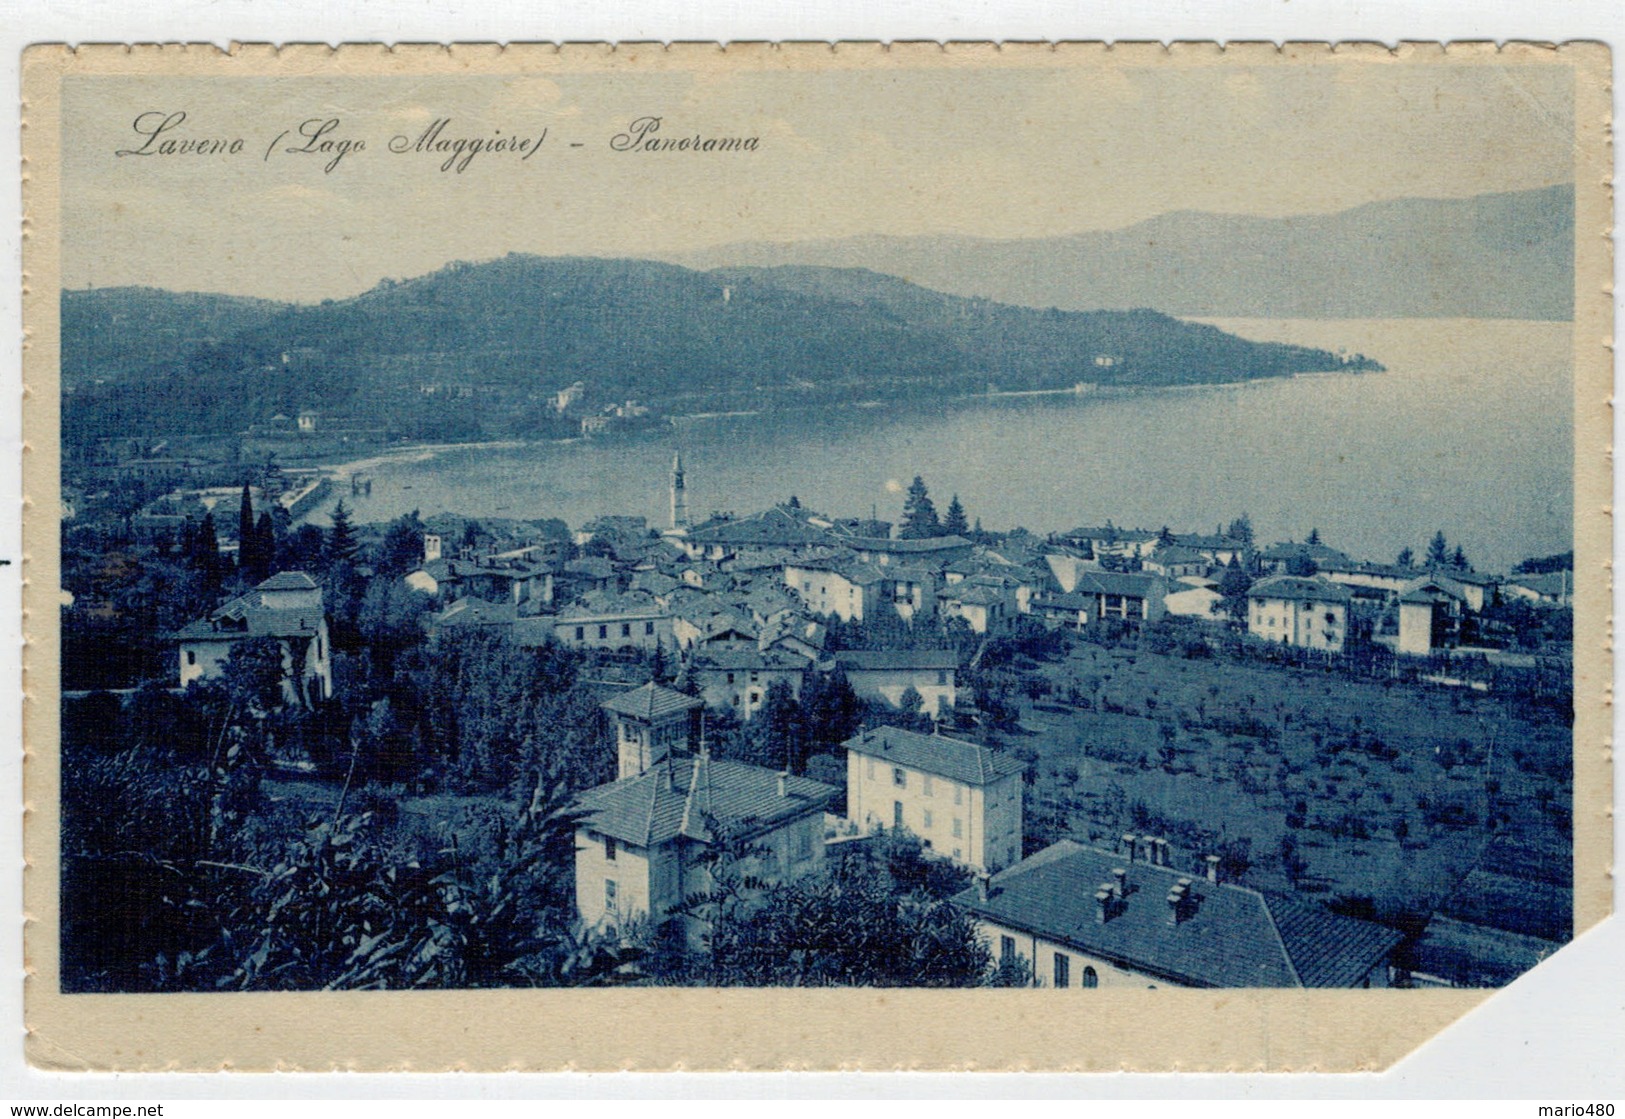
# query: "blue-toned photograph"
1007,527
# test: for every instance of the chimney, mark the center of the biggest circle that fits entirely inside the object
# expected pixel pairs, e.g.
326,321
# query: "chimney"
1121,875
1212,862
1176,905
984,883
784,783
1130,840
1103,905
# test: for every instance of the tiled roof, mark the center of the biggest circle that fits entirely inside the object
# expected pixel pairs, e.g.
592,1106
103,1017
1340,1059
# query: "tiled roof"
1067,602
1231,936
595,605
1327,950
775,527
973,594
907,547
749,660
288,581
651,702
1301,589
475,612
1320,553
937,754
1108,533
1554,583
247,616
1130,584
879,660
1475,956
683,795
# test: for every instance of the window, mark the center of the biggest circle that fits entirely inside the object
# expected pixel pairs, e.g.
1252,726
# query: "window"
927,819
1007,949
755,696
899,777
649,629
581,633
191,656
804,843
959,794
942,678
730,678
956,852
603,631
958,827
1090,979
1063,970
609,894
609,848
928,785
896,813
626,629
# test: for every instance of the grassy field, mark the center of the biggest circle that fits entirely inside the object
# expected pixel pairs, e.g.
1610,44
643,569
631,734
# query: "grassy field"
1382,790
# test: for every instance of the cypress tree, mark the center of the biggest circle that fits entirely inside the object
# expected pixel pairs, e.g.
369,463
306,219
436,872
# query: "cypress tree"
341,543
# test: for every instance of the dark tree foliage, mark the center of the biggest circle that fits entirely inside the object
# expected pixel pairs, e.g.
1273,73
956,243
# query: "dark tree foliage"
850,924
401,550
1406,558
341,539
953,522
919,513
1438,550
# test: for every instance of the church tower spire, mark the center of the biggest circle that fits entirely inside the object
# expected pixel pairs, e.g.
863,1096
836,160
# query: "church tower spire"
679,493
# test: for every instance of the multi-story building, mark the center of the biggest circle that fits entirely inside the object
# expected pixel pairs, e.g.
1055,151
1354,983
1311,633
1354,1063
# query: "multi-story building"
1083,917
644,844
286,608
1309,613
961,799
888,674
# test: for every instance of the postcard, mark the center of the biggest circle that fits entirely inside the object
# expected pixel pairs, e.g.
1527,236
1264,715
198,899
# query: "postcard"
807,556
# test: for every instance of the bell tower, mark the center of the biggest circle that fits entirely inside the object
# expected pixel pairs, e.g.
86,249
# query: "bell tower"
679,494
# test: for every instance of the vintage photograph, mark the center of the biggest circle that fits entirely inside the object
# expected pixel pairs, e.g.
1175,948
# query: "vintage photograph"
1046,523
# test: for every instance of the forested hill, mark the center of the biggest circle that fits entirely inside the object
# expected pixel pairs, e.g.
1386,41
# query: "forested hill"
511,331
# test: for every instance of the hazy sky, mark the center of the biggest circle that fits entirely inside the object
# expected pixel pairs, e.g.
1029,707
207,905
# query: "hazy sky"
1009,153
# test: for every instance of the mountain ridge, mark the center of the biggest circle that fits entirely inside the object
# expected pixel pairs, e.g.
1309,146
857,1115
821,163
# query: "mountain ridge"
1500,255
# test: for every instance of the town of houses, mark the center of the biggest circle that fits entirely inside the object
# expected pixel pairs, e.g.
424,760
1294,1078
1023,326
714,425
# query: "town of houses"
739,606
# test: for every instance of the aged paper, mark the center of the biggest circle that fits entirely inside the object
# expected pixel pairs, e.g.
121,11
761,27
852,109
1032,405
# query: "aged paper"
494,597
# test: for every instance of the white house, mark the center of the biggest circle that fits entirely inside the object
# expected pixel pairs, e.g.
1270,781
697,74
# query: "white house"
1309,613
1098,596
886,674
980,603
737,679
1084,917
287,608
963,800
642,846
615,622
849,589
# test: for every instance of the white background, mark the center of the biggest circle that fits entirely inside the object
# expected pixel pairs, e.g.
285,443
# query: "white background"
1557,1036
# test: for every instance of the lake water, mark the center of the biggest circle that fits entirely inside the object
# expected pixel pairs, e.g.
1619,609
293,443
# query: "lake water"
1469,431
